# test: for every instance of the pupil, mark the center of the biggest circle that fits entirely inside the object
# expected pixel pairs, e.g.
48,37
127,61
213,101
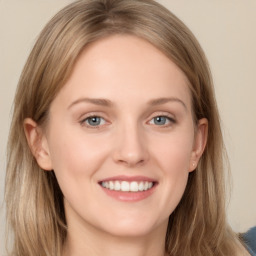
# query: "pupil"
160,120
94,121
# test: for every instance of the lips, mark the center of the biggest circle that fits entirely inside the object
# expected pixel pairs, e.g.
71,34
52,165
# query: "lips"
128,188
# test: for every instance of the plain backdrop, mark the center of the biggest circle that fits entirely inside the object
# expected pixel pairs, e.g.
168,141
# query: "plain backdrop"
226,30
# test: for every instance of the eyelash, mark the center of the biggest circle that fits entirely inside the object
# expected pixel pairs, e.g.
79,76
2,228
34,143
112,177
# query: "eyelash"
84,121
170,120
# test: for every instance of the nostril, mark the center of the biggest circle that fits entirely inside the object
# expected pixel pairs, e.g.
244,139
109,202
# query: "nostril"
130,148
130,162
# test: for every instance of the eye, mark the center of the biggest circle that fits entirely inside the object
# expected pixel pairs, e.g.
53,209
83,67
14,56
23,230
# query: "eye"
161,121
94,121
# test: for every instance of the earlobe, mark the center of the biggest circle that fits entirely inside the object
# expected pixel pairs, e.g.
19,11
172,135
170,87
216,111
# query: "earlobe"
38,144
200,141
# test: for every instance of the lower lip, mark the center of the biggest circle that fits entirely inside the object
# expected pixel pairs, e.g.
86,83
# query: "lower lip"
129,196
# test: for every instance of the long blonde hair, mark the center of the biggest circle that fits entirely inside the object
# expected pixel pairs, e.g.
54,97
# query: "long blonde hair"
34,201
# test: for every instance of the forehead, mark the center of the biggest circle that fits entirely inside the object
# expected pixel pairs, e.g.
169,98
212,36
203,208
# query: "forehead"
122,65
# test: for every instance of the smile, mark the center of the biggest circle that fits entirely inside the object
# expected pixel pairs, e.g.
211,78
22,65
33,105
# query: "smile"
127,186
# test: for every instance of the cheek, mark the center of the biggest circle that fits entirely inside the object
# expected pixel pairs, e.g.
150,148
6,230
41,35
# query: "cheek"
173,153
75,156
173,157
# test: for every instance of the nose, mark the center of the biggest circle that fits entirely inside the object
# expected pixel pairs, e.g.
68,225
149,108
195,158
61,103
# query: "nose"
131,147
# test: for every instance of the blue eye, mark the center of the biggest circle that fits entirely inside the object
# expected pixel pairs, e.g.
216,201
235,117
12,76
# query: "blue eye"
160,120
94,121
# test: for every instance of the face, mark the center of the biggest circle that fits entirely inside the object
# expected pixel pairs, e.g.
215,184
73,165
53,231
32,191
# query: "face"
121,138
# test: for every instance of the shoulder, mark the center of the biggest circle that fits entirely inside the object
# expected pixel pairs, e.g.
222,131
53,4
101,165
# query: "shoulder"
249,238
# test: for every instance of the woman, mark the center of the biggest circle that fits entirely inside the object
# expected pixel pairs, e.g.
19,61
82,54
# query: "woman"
115,145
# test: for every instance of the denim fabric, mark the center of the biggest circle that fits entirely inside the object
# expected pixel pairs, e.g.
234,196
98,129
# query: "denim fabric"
249,239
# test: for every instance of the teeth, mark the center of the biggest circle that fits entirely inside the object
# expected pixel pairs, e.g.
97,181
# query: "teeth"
141,186
134,187
117,185
111,185
127,186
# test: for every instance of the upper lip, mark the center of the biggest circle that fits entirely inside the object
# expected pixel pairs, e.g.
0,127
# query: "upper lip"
128,178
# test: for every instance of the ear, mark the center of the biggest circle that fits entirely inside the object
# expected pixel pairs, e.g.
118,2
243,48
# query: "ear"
200,141
38,144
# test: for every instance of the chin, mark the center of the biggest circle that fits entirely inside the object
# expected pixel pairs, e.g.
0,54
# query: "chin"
132,228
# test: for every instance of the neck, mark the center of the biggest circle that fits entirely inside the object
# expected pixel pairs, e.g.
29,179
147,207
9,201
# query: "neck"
113,247
89,241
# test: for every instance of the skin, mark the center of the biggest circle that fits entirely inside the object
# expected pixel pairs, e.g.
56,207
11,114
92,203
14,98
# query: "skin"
131,76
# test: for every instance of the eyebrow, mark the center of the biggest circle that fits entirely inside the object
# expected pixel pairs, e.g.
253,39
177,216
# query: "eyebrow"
161,101
108,103
99,102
